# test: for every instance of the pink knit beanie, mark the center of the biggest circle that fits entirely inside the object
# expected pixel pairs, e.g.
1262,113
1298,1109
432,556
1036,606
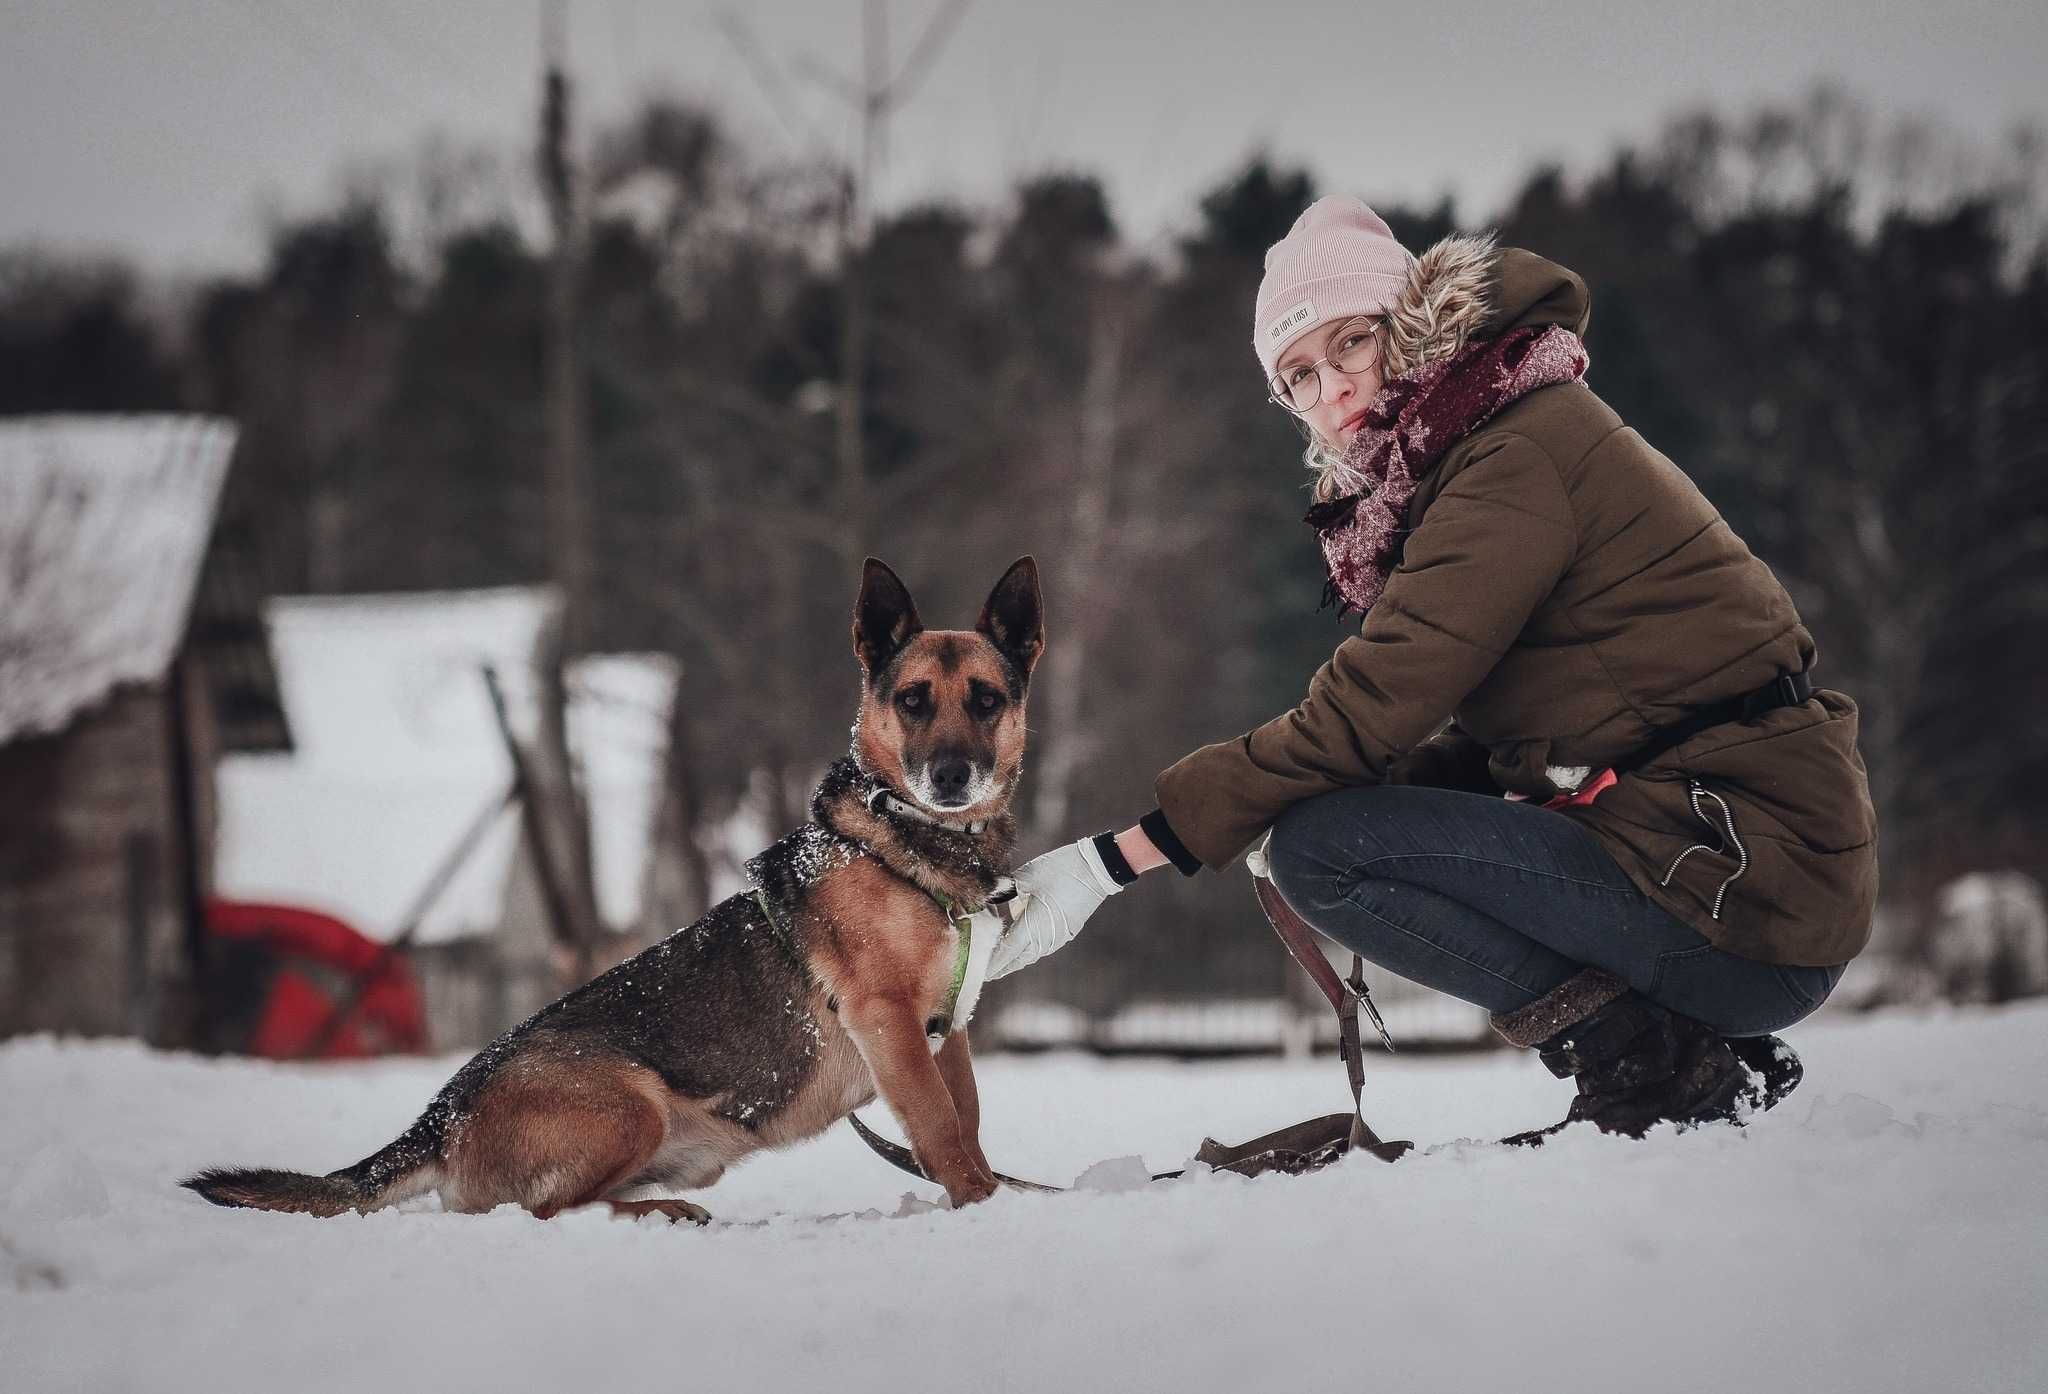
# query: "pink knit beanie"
1338,260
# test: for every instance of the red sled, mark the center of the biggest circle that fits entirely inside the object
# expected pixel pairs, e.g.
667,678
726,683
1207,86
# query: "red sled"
295,984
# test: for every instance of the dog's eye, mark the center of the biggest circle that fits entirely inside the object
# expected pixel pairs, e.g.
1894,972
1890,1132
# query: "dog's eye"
987,702
911,700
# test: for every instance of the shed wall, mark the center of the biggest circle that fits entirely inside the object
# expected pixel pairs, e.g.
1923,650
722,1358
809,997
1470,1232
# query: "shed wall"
90,928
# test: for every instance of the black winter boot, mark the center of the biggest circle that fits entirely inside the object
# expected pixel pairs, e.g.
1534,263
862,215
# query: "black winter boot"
1774,1063
1637,1064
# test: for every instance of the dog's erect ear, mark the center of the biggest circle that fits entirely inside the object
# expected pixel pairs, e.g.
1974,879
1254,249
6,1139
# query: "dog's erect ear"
1013,617
884,618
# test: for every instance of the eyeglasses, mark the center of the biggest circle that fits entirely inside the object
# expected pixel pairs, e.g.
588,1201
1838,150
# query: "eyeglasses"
1354,348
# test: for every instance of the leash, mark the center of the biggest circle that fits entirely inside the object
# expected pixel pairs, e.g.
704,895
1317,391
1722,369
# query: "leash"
1349,998
903,1159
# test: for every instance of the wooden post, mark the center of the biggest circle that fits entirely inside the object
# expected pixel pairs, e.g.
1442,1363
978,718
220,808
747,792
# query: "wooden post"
557,768
684,803
561,919
193,1022
567,465
140,875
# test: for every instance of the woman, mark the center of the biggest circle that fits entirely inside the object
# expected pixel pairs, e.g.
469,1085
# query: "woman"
1684,858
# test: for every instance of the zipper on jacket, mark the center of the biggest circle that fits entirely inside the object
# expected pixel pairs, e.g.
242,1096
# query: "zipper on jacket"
1699,791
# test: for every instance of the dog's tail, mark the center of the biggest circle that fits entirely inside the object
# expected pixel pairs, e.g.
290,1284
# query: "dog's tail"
406,1168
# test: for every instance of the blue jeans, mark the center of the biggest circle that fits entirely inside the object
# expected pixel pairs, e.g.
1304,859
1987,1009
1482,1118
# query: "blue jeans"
1498,902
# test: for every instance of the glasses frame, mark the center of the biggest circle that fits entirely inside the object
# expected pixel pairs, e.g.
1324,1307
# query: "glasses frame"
1275,390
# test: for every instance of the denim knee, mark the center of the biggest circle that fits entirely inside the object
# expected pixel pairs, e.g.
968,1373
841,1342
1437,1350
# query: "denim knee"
1303,852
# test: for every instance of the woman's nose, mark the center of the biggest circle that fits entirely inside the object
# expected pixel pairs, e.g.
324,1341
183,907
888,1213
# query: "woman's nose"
1338,386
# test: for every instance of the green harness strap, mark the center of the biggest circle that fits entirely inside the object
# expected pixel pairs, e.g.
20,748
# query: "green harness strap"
963,922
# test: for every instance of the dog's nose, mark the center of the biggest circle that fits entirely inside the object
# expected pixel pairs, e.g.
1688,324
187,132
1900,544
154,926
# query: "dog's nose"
949,778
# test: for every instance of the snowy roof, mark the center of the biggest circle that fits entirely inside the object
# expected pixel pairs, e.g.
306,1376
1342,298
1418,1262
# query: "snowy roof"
398,754
103,525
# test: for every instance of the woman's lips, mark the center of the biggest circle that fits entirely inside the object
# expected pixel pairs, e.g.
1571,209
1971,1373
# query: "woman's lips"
1351,423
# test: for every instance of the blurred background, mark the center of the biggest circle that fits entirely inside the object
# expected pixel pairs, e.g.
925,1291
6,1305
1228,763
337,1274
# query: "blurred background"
440,443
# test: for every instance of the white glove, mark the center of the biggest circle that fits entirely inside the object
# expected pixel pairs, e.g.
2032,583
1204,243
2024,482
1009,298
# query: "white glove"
1256,861
1056,893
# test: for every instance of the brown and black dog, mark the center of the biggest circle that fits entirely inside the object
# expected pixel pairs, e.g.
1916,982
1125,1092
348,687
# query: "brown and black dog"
786,1007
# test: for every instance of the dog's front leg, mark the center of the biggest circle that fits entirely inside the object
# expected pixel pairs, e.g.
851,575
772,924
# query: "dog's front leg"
891,1040
956,1067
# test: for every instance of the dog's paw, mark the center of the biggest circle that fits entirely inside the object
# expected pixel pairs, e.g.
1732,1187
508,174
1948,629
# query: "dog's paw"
971,1188
676,1208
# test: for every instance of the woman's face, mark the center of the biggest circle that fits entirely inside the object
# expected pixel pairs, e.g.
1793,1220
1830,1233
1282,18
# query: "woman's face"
1335,369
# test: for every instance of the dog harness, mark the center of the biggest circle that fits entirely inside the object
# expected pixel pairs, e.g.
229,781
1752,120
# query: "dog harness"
970,962
971,956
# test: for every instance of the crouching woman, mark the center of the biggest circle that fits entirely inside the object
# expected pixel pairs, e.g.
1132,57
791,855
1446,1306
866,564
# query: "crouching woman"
1573,767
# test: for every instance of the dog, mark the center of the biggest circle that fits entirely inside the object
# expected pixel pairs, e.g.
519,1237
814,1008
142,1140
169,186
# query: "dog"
786,1007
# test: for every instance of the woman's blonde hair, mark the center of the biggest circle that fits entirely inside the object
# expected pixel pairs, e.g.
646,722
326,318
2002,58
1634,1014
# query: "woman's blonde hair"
1321,457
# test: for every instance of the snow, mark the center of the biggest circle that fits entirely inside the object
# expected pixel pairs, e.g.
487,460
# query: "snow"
104,522
398,754
1885,1229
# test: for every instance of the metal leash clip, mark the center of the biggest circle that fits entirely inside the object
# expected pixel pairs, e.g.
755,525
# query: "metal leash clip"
1356,982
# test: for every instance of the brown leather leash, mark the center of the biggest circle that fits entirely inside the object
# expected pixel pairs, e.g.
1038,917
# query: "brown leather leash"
1348,998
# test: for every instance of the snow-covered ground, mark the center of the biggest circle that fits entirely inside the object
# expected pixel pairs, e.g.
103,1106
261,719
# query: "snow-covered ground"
1887,1229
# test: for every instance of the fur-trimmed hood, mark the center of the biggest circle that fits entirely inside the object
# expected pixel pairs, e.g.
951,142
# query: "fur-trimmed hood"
1466,288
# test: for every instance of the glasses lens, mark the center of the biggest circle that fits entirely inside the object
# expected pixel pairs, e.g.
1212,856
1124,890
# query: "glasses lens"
1296,389
1356,349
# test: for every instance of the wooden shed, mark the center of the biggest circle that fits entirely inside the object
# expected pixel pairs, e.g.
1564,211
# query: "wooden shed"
132,656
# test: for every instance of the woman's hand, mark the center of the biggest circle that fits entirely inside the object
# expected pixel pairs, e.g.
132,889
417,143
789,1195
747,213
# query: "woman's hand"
1056,894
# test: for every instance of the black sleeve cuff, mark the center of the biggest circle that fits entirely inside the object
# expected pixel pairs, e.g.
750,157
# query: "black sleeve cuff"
1113,859
1163,837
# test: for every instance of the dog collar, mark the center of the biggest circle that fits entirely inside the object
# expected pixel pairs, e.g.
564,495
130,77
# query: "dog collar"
882,801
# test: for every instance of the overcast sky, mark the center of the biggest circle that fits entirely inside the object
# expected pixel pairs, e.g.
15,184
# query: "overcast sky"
166,130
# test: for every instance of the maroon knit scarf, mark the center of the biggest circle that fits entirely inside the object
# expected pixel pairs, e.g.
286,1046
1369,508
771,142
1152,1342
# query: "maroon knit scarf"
1412,422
